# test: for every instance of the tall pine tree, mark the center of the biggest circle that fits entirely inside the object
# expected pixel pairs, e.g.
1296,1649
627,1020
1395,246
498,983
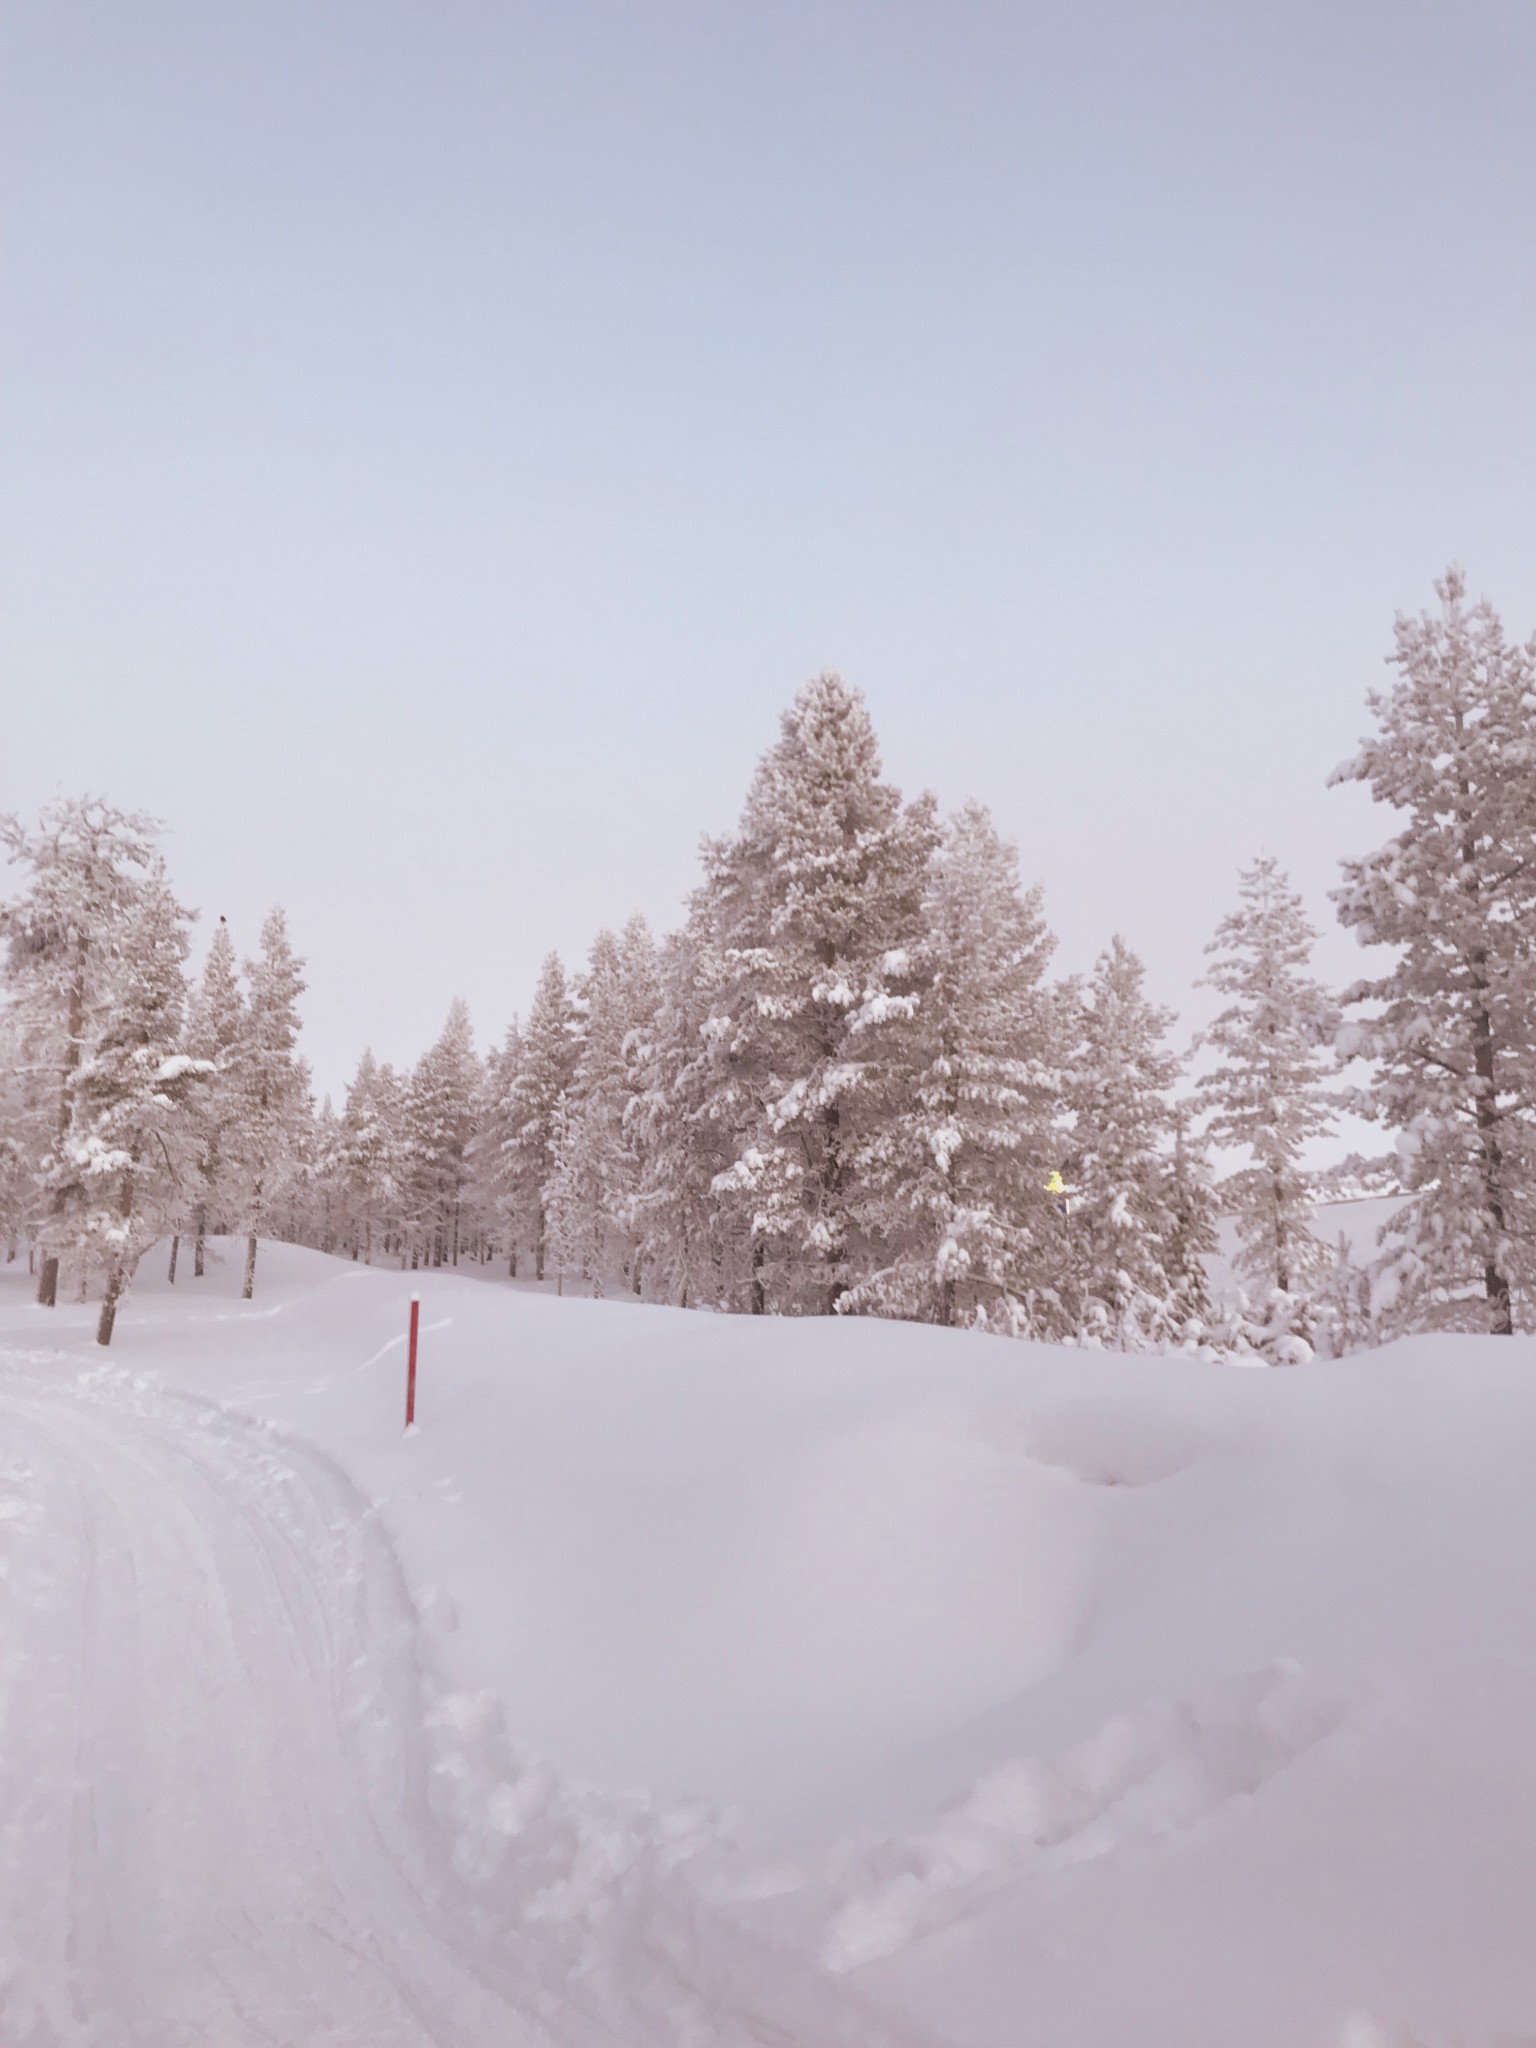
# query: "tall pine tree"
813,912
1451,1026
1266,1094
272,1090
973,1234
1122,1163
90,868
534,1101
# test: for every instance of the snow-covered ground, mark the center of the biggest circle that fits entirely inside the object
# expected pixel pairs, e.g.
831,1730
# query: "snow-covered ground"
686,1679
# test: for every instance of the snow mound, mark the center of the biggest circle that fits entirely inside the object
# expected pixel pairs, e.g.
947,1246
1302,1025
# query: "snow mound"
1141,1779
823,1680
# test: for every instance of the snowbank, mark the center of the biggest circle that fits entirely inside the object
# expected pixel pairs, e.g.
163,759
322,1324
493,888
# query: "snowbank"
1048,1698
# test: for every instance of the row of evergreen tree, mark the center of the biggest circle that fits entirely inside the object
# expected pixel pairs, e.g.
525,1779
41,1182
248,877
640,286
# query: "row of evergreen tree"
849,1083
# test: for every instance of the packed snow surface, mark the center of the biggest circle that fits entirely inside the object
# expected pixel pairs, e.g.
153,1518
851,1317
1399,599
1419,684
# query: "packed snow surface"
685,1679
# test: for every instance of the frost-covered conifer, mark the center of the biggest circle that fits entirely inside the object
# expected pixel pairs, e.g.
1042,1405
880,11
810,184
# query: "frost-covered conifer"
812,911
550,1043
130,1143
90,867
215,1022
1266,1095
595,1178
682,1125
973,1234
18,1190
272,1091
1121,1215
440,1123
1193,1208
366,1157
491,1161
1451,1025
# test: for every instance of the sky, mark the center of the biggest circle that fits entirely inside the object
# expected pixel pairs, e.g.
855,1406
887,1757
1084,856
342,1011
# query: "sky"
436,441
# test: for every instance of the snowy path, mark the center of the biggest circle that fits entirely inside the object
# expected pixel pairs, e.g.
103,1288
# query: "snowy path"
216,1816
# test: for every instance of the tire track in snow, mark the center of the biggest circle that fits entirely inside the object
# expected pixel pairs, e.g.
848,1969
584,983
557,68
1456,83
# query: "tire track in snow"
224,1818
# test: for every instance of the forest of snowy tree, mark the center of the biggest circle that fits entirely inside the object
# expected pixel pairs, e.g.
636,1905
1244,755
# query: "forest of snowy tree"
849,1083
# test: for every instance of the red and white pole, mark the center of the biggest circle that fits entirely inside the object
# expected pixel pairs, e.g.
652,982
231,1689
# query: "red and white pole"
410,1371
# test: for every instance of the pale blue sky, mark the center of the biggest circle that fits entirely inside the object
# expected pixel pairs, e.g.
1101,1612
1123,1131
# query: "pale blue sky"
437,439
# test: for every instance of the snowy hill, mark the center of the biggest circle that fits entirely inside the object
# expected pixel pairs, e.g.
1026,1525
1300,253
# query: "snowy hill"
1014,1695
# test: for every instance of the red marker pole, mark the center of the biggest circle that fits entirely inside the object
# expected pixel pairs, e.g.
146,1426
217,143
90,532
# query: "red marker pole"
410,1371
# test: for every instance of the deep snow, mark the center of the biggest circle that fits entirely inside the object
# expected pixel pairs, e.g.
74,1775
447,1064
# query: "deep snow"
767,1674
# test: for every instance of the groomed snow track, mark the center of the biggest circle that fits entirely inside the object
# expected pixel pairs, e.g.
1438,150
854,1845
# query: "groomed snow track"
234,1802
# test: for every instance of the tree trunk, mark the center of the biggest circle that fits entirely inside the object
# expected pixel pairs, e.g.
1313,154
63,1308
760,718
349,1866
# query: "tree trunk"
197,1242
120,1271
538,1245
108,1317
175,1247
48,1289
1486,1107
250,1268
759,1299
1496,1283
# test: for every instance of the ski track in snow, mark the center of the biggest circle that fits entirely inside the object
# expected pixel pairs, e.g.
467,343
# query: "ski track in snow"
235,1810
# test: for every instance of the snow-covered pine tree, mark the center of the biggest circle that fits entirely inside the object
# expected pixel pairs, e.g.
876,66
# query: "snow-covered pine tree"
972,1234
550,1044
1193,1207
393,1163
130,1143
489,1156
1266,1095
682,1126
440,1122
272,1125
365,1162
813,910
1452,1025
18,1191
90,865
1121,1219
215,1024
320,1210
595,1179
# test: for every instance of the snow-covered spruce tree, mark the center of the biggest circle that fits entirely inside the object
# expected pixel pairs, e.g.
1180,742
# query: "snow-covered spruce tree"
18,1190
813,909
271,1082
90,865
490,1158
972,1234
440,1124
365,1162
683,1127
594,1181
392,1095
549,1049
1193,1207
1451,1026
130,1143
215,1023
319,1210
1121,1215
1266,1095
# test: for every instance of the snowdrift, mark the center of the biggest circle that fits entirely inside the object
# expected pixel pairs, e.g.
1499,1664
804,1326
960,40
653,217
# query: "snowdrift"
1039,1697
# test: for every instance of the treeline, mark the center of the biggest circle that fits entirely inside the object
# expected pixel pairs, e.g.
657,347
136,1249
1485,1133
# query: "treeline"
850,1082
